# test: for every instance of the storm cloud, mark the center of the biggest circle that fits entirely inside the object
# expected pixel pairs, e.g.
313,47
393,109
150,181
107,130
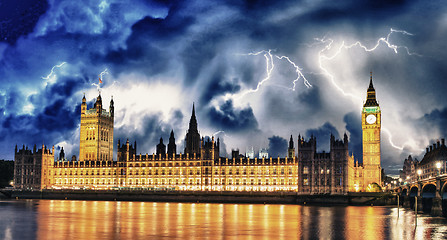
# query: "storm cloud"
229,59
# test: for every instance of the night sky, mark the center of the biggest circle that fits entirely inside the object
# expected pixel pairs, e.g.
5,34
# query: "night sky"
257,71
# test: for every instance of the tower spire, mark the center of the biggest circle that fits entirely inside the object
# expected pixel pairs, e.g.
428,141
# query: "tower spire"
192,140
371,86
371,94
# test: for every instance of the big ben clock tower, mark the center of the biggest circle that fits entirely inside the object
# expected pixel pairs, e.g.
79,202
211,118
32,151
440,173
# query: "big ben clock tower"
371,121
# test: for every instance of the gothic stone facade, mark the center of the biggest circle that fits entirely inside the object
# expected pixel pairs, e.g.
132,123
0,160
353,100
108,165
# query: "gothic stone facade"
31,167
200,167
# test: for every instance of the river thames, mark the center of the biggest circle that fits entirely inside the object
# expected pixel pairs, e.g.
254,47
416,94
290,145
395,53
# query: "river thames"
64,219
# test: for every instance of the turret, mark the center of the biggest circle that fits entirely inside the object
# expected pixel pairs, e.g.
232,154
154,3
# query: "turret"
62,154
291,150
112,108
83,105
98,104
172,148
291,142
161,148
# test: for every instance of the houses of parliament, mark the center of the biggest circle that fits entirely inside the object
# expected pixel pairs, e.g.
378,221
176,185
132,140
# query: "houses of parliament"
200,167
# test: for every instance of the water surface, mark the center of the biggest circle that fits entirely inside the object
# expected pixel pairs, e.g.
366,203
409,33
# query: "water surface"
65,219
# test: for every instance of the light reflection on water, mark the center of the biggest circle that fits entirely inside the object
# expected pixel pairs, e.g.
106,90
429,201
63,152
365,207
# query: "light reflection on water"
63,219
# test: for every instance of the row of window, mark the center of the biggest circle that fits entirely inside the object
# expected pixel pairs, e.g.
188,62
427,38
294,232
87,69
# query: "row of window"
104,135
190,181
177,171
321,170
90,156
322,181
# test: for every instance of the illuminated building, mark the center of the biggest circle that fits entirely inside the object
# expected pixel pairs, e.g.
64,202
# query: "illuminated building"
31,167
263,153
96,136
371,122
250,153
200,167
408,172
323,172
367,176
434,161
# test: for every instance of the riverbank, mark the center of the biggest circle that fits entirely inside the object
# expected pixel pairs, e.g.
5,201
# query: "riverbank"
209,197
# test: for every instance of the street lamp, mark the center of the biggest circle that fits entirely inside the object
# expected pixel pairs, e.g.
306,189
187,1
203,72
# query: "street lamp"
419,173
400,181
438,166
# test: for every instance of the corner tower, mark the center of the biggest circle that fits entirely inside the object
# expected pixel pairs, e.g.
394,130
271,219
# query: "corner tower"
291,149
371,123
96,137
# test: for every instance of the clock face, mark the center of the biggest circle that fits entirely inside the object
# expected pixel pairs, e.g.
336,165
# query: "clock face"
371,119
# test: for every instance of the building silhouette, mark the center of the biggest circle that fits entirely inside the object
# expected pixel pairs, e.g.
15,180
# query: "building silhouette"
200,167
192,139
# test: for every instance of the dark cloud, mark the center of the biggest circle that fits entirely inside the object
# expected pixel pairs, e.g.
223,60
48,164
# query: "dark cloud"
58,116
18,20
310,99
229,119
218,86
436,119
369,10
323,135
354,127
277,147
200,48
147,47
148,136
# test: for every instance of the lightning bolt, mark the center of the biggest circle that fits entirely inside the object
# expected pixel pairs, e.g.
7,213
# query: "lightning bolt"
390,139
98,87
385,40
52,71
219,132
103,73
298,72
270,65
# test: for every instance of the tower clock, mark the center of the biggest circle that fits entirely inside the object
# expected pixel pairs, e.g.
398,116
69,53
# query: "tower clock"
371,123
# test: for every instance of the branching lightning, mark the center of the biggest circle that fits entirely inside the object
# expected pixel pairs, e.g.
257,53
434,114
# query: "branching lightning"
103,73
328,46
270,65
298,72
324,55
98,85
49,76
